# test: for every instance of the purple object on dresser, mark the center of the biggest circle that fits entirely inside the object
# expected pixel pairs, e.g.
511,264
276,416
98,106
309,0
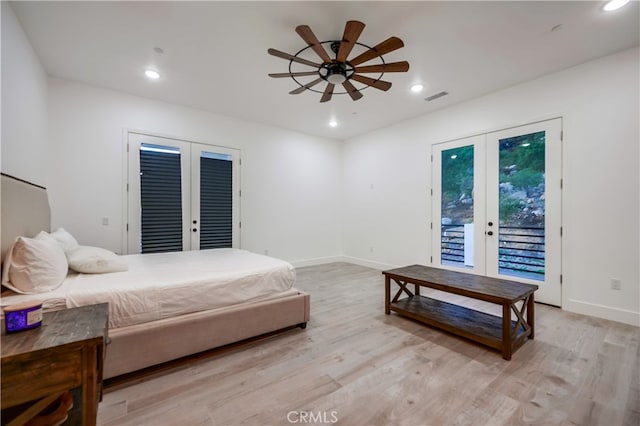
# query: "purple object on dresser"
23,316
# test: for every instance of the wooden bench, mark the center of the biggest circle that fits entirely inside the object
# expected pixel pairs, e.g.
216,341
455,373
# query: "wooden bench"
500,333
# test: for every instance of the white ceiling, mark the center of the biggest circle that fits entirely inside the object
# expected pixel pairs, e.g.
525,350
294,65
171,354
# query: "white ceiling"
215,53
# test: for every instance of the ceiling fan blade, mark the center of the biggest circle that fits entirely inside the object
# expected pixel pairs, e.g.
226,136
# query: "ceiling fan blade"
389,45
328,92
378,84
293,74
283,55
352,31
310,38
305,87
389,67
353,92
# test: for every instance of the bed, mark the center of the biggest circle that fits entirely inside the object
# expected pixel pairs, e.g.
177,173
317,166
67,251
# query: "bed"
158,311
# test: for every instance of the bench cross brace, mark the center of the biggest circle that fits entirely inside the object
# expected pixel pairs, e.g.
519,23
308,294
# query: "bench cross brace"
520,313
403,288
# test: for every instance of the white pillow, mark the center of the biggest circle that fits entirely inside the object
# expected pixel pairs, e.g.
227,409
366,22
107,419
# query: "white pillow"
96,260
34,265
65,239
45,236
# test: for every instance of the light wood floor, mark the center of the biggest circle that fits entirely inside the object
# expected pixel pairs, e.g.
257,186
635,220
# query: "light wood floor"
361,367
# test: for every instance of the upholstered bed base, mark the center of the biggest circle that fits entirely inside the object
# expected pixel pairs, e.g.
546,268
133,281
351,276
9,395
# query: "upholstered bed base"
24,210
135,347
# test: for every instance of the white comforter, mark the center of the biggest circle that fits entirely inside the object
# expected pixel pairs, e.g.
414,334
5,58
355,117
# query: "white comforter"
165,285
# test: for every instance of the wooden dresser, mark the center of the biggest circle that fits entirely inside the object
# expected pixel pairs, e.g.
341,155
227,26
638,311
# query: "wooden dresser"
66,352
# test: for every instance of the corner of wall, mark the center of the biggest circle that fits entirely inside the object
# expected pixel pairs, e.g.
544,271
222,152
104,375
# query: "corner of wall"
25,130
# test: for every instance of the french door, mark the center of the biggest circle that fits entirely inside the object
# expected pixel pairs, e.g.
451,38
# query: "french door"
181,195
497,206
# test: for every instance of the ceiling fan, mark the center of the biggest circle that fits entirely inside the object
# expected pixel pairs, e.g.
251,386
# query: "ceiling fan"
339,69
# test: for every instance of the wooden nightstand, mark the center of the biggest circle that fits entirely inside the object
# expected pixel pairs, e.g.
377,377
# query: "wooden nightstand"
66,352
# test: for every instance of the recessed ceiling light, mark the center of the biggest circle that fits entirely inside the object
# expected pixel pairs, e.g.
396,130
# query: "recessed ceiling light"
614,4
417,88
153,75
333,123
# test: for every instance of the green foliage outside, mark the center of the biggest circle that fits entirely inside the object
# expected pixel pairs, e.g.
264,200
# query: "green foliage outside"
508,208
526,157
457,184
522,166
523,179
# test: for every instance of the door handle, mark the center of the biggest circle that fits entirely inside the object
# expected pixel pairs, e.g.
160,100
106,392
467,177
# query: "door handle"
490,233
195,229
490,223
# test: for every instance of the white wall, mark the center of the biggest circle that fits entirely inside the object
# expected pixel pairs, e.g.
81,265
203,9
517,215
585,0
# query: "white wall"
599,103
24,104
290,182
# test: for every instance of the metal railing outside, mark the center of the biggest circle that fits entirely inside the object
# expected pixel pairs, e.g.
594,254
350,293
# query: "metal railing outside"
452,243
521,249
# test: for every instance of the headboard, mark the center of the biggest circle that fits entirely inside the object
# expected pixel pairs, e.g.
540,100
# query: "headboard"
24,211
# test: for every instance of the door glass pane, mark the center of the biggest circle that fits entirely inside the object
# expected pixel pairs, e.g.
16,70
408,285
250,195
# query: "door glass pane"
456,228
216,200
160,199
522,206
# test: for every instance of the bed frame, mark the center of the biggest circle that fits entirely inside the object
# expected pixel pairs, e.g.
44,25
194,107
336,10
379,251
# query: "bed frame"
25,212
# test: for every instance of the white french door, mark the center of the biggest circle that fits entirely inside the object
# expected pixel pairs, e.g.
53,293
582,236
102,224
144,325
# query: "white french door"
458,184
497,206
181,195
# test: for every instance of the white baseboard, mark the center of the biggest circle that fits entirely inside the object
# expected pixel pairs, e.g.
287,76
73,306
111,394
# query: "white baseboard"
601,311
346,259
316,261
367,263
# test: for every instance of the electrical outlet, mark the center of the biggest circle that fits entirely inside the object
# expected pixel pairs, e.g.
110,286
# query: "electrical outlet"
105,221
266,252
370,249
616,284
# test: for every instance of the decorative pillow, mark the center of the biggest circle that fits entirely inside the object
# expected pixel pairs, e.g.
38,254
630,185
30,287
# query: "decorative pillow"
45,236
34,265
96,260
65,239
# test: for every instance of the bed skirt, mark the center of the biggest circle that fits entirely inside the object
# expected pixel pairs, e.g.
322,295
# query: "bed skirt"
143,345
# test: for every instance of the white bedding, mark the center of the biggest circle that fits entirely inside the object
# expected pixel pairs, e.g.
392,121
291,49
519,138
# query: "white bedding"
165,285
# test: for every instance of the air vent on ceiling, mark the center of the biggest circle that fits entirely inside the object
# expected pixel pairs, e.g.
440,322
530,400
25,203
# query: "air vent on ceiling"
436,96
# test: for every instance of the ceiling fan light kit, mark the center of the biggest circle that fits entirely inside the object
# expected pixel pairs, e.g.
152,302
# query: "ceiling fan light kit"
339,70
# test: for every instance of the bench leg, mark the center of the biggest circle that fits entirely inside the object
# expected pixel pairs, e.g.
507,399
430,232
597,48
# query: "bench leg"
530,315
387,291
507,344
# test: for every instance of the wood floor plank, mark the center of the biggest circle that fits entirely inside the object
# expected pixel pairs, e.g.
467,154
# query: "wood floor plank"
367,368
489,407
632,407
